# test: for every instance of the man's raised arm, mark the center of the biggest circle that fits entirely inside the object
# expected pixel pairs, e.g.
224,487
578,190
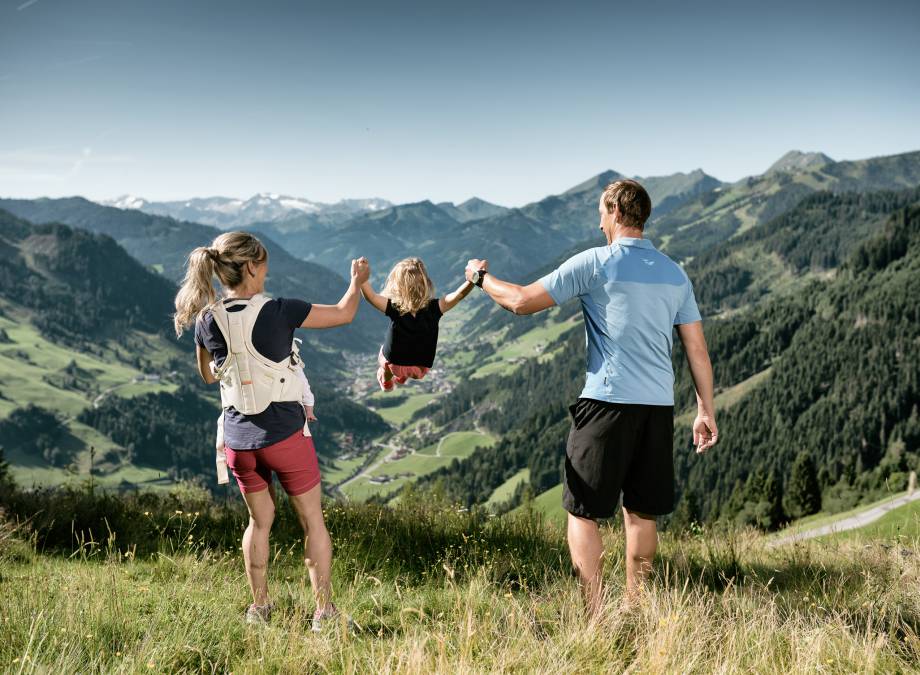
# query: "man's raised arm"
517,299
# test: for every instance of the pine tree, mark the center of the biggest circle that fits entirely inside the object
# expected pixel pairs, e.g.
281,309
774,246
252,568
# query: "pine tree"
773,495
735,502
687,512
5,477
803,496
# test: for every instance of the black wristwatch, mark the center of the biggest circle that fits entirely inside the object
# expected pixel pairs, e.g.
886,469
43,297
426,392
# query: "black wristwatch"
478,277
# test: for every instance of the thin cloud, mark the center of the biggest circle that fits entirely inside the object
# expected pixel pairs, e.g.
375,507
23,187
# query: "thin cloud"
52,164
95,43
77,62
27,3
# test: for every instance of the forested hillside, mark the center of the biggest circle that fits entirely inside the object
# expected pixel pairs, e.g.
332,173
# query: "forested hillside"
811,239
829,368
78,285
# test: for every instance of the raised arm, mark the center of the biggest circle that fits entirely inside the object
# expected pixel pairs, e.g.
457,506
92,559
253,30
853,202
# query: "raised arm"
378,301
705,431
449,301
528,299
341,313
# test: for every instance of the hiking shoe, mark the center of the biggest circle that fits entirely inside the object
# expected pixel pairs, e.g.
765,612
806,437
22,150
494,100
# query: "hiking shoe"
329,617
259,614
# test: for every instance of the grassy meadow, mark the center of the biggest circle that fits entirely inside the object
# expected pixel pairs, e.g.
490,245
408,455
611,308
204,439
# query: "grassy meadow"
155,583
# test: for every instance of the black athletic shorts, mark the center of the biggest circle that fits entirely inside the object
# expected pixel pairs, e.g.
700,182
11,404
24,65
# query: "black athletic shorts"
616,447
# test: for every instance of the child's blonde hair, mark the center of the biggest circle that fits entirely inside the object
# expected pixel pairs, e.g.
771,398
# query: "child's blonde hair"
408,286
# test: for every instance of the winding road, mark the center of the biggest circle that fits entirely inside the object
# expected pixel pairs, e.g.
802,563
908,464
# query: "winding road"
857,520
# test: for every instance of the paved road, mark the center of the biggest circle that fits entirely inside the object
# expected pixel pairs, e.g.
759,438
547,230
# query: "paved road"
849,523
365,472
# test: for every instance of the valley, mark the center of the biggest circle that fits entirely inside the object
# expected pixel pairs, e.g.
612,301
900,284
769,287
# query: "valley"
793,281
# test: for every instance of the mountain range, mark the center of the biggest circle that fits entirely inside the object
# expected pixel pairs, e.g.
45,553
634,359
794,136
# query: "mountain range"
806,275
229,213
163,244
691,211
445,235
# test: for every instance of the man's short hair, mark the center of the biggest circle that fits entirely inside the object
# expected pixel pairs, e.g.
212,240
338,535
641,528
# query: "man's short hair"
634,202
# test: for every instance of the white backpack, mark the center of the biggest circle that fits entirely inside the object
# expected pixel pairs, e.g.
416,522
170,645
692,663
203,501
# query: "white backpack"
250,382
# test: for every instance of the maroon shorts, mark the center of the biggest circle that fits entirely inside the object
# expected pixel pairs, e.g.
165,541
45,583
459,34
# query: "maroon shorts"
388,373
293,459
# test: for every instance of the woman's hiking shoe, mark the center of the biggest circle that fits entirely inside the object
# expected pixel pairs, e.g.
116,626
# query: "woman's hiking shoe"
329,617
259,614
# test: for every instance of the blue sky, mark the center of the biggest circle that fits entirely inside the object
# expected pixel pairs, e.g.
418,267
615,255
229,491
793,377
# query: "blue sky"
507,101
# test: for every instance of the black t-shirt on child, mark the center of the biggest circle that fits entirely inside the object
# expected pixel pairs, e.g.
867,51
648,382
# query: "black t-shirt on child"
272,335
412,340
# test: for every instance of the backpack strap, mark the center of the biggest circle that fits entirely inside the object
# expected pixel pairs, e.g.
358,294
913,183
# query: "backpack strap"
233,329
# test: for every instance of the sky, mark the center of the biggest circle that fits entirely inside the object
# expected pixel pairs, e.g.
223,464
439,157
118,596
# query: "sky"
507,101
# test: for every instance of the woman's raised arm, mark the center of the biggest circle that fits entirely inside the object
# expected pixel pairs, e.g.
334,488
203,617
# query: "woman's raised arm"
341,313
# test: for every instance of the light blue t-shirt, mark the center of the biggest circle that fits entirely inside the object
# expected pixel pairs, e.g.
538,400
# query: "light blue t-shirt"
631,295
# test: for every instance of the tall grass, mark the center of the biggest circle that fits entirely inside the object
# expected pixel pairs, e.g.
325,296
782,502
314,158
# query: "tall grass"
432,589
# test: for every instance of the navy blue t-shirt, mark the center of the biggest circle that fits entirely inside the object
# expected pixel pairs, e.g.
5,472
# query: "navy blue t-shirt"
272,335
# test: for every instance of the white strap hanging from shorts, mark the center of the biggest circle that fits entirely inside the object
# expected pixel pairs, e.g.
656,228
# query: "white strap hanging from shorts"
223,476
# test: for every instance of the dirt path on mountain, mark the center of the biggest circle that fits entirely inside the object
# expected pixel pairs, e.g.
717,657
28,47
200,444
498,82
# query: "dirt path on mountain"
853,522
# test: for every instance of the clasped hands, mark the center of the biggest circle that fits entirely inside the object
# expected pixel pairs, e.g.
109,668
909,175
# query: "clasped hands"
475,265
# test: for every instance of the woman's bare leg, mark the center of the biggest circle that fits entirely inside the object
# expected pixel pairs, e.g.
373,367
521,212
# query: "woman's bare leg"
255,542
317,544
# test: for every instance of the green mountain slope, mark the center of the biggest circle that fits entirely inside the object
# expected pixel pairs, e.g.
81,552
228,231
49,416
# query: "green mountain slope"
715,216
812,239
79,285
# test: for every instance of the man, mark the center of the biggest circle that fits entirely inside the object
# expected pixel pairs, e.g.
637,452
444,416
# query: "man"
622,424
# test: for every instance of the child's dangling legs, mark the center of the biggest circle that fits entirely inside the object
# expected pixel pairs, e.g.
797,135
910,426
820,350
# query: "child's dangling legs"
388,373
384,374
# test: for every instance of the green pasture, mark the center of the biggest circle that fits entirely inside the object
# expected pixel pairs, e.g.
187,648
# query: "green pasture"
400,414
504,491
455,445
528,346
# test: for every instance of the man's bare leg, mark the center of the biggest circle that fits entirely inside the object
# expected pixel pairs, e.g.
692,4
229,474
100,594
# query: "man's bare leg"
587,551
641,544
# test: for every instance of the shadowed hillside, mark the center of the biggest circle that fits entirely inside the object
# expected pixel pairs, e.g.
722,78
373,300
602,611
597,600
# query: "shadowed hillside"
164,244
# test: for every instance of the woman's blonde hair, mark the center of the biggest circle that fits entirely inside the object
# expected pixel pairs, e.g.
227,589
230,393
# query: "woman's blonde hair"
225,257
408,286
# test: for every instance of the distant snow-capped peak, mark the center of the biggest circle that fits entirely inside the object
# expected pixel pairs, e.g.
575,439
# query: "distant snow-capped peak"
126,202
228,212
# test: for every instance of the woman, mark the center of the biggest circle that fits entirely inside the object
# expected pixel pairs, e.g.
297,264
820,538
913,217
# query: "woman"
271,440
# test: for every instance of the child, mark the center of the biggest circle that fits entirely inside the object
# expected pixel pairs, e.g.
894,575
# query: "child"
412,337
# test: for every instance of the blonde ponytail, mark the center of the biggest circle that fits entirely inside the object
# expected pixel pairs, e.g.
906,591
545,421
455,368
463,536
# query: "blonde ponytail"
225,258
197,291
